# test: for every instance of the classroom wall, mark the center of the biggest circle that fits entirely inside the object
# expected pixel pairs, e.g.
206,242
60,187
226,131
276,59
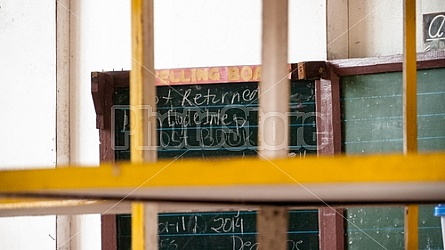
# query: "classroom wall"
188,33
375,28
231,32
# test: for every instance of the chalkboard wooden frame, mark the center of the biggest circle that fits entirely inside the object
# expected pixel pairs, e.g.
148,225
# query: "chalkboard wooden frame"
103,85
327,89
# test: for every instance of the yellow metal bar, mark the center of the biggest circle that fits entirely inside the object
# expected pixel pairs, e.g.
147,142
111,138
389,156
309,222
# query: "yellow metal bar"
144,226
136,96
137,226
38,203
411,227
142,84
192,173
137,118
410,110
143,107
18,207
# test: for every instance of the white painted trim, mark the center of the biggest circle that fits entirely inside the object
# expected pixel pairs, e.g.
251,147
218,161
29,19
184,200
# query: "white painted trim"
63,222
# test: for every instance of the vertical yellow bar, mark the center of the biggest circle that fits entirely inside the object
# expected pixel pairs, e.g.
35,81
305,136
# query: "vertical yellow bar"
410,111
142,84
137,210
409,78
143,115
137,226
136,86
411,227
144,226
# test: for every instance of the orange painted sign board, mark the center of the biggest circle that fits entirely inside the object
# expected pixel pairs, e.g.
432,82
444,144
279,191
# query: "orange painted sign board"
205,75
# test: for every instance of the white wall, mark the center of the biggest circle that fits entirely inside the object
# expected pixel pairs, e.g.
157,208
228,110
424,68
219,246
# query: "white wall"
100,40
27,77
196,33
307,30
374,27
27,104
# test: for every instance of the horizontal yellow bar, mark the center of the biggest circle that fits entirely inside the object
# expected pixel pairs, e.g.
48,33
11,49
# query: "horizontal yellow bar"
42,203
229,172
35,207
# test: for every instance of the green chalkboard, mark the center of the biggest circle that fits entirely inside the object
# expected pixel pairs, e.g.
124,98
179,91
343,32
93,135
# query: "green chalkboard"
383,228
372,112
222,230
217,120
372,123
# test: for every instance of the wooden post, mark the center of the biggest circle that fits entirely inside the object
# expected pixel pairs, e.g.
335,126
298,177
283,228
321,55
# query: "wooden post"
273,124
331,220
410,110
272,225
142,104
328,115
409,79
274,85
63,222
331,226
